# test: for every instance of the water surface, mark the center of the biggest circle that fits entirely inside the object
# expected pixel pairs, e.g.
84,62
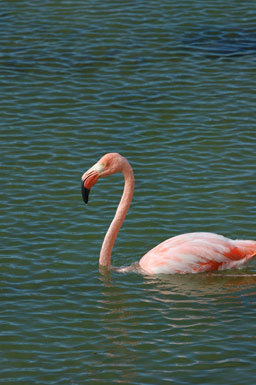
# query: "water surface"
172,88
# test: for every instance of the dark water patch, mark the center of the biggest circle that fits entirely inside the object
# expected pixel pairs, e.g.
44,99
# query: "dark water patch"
217,43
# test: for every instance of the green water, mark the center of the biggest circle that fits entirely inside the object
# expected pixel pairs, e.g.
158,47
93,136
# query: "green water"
171,86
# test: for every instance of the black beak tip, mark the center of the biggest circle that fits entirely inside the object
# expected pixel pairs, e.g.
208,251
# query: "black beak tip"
85,193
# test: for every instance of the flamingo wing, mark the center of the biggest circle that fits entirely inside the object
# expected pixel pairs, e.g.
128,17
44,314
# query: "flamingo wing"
197,252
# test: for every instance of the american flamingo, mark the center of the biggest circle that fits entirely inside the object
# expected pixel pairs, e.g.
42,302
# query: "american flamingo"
186,253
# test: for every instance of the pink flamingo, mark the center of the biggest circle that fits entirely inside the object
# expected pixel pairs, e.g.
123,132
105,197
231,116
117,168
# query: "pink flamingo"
186,253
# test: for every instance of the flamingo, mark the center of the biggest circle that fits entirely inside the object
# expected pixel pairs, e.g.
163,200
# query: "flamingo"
187,253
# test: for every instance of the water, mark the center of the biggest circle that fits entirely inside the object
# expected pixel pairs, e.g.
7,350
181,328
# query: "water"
171,87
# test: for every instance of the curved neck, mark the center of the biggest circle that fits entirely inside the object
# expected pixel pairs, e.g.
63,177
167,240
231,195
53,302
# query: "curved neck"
123,207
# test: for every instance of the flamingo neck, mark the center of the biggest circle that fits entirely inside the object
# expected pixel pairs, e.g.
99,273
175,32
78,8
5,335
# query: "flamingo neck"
122,209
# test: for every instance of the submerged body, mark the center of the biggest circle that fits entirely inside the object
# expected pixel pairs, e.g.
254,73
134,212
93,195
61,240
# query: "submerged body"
186,253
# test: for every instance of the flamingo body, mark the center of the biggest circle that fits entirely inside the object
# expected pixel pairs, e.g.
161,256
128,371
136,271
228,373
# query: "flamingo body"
197,252
186,253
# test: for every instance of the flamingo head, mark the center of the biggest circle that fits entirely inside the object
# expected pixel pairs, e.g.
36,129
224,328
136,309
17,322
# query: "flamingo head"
109,164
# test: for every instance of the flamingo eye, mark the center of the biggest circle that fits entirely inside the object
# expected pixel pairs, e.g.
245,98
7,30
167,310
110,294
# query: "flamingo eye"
103,166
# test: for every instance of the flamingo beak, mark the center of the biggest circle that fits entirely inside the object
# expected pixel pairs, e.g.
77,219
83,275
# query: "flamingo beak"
85,193
89,179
